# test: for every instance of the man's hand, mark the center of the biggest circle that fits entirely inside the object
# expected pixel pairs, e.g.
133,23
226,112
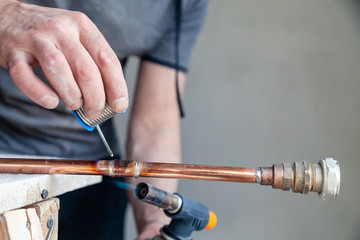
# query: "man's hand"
149,231
74,56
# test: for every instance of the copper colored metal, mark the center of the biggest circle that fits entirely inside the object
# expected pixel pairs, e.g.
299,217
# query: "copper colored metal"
47,166
278,176
198,172
301,177
129,168
267,176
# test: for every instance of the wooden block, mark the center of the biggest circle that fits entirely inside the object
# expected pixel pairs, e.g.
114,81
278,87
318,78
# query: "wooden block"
43,210
30,222
13,225
35,227
3,229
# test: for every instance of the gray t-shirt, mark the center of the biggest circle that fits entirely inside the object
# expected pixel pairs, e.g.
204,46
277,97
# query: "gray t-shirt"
132,27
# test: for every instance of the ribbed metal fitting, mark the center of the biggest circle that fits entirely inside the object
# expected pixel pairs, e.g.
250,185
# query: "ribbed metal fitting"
331,178
107,114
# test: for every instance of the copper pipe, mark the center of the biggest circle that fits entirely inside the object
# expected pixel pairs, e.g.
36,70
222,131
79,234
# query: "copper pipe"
301,177
47,166
198,172
128,168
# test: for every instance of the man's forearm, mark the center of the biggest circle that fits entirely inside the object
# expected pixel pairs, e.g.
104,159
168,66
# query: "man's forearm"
161,148
154,135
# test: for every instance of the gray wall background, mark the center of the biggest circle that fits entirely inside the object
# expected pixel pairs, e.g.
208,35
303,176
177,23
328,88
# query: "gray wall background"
271,82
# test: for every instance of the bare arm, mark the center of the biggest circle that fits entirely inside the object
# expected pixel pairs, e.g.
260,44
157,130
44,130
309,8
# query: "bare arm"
76,59
154,135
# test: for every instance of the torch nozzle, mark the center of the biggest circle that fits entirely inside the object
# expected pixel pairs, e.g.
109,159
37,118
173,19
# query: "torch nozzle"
187,215
155,196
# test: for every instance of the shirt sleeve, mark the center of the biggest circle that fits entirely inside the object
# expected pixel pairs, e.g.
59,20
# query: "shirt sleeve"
192,16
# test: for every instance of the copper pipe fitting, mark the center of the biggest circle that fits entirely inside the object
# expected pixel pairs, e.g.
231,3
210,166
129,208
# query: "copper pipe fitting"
302,177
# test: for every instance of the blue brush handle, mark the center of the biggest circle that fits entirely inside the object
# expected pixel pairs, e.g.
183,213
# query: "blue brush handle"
87,127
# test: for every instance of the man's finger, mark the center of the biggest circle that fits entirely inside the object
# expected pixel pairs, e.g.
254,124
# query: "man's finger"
22,74
109,66
88,78
58,72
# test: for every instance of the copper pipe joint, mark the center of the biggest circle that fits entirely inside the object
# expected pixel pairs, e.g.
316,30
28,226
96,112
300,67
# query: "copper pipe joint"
302,177
267,176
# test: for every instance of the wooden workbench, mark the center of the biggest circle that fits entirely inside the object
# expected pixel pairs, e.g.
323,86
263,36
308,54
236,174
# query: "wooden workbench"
27,202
